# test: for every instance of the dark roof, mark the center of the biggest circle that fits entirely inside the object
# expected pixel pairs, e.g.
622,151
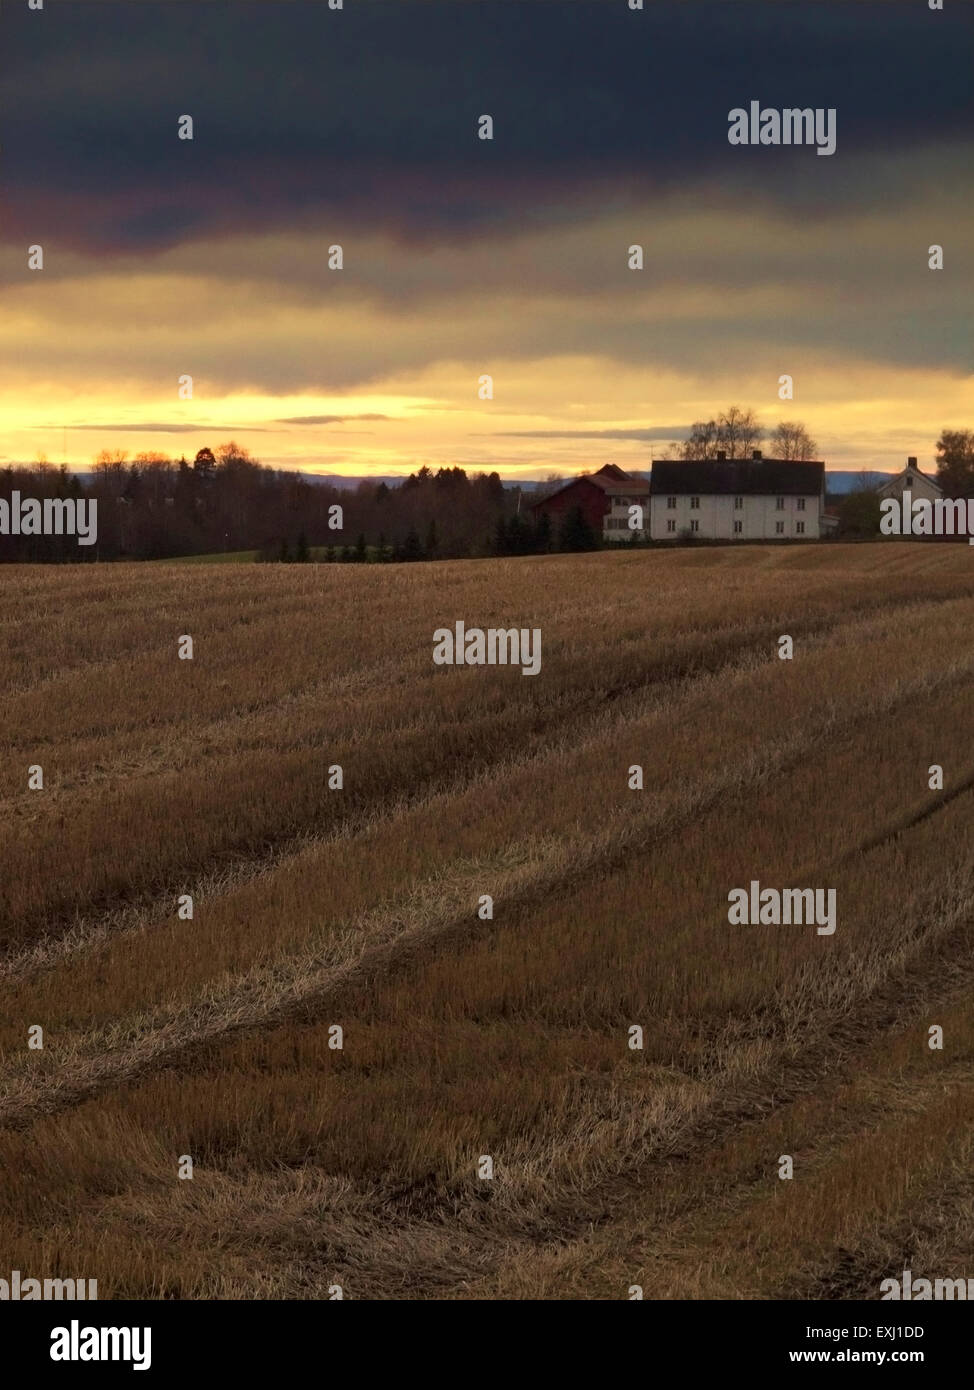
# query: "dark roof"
614,488
765,477
610,479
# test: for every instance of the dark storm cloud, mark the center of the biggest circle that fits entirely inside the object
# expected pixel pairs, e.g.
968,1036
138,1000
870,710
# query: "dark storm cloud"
366,117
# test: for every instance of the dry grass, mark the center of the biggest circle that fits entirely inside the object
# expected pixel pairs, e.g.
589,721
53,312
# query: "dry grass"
506,1037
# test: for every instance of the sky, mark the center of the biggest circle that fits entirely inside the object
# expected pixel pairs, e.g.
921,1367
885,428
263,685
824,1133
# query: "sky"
464,257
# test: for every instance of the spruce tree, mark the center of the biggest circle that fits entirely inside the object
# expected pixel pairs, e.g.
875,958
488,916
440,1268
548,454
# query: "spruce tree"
412,549
576,533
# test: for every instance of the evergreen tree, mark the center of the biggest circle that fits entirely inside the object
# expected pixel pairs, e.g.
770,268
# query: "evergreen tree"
361,550
204,464
576,533
412,549
519,538
284,555
302,554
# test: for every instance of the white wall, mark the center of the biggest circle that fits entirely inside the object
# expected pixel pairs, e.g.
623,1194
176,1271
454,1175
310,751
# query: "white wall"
716,516
918,483
615,523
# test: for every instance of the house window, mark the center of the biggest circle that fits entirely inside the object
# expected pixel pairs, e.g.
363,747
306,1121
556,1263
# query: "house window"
694,504
671,504
801,504
694,526
780,504
738,528
800,527
779,528
738,504
671,526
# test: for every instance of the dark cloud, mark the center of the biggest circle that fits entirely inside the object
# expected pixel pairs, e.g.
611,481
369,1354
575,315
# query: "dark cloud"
151,428
326,419
366,117
660,432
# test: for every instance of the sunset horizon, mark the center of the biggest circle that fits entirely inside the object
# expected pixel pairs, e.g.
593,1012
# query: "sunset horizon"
208,250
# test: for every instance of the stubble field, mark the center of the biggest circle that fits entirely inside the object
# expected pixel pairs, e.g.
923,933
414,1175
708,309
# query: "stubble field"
315,1166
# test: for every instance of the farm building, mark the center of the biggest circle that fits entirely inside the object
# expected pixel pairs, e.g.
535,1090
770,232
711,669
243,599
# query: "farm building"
737,499
919,484
604,499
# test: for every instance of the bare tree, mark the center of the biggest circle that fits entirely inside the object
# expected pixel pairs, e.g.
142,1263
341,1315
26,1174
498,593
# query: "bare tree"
702,441
735,433
791,440
739,431
111,471
552,482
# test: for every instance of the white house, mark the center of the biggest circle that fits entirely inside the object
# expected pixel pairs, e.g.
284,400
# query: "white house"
919,484
736,499
620,522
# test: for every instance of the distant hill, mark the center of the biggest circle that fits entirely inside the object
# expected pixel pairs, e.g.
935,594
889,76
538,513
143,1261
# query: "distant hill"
347,481
848,480
339,480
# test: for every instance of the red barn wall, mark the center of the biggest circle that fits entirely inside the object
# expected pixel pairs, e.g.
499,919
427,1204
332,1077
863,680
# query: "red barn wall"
588,496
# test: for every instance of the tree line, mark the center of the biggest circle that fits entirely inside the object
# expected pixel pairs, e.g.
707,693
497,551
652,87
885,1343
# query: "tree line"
151,507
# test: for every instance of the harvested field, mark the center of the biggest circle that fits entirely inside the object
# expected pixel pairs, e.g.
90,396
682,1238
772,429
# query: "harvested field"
462,1037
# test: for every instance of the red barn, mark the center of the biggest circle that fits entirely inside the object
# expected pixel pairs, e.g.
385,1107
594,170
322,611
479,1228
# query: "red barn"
596,495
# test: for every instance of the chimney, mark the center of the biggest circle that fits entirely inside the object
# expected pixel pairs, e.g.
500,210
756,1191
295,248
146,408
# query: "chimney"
912,463
721,456
755,453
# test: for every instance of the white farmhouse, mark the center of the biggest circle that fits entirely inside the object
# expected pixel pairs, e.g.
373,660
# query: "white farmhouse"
736,499
919,484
